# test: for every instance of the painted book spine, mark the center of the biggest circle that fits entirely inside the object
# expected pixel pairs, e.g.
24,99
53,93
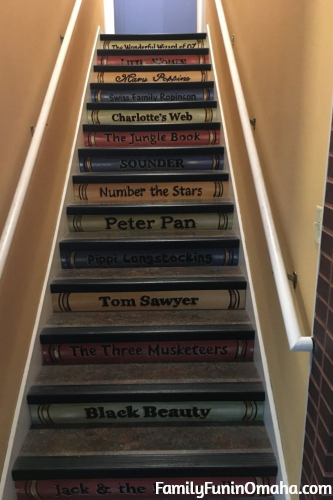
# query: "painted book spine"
149,300
153,45
150,222
155,163
152,95
148,412
124,117
91,489
133,192
148,352
147,139
146,60
153,76
86,259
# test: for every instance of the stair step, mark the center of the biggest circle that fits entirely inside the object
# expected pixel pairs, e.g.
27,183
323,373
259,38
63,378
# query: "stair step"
158,400
151,159
148,289
148,344
143,92
144,56
96,250
147,112
148,319
153,73
160,135
201,215
146,186
145,452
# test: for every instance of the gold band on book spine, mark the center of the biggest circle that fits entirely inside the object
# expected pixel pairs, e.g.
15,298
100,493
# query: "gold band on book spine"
82,192
251,411
44,414
63,302
88,164
218,193
31,491
208,114
234,299
200,44
241,349
204,76
214,162
104,61
92,139
72,259
54,353
77,223
223,221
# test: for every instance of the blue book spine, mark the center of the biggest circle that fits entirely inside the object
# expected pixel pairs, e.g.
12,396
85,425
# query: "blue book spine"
152,95
150,163
168,258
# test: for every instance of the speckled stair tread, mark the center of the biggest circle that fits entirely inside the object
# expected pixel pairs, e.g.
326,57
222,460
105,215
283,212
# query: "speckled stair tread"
146,373
149,318
156,236
102,441
158,273
214,203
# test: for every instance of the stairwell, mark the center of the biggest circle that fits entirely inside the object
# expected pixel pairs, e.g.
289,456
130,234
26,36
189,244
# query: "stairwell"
148,357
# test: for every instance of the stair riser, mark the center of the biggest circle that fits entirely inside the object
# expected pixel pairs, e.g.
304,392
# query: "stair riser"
131,487
147,412
125,116
145,191
151,94
154,139
153,76
197,257
148,352
150,44
136,60
151,222
149,300
154,162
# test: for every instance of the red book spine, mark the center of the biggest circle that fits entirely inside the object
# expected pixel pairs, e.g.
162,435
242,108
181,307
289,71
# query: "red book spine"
148,352
128,488
147,139
142,60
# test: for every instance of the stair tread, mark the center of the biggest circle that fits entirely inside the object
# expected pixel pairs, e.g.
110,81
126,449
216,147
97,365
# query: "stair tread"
154,36
97,177
149,318
107,440
165,206
156,273
158,235
146,373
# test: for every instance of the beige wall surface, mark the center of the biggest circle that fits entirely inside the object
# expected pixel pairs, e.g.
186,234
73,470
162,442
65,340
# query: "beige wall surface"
284,52
30,43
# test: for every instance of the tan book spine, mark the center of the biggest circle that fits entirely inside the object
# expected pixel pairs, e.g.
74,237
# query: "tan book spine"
133,192
149,300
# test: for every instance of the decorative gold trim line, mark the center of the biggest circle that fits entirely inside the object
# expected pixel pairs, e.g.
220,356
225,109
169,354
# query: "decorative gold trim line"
72,259
88,164
30,488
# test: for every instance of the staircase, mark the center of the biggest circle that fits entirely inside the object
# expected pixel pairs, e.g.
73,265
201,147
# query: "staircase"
148,371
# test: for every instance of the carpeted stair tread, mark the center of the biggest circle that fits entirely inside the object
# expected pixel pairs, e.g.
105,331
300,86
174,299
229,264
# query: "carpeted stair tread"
181,373
102,441
149,318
